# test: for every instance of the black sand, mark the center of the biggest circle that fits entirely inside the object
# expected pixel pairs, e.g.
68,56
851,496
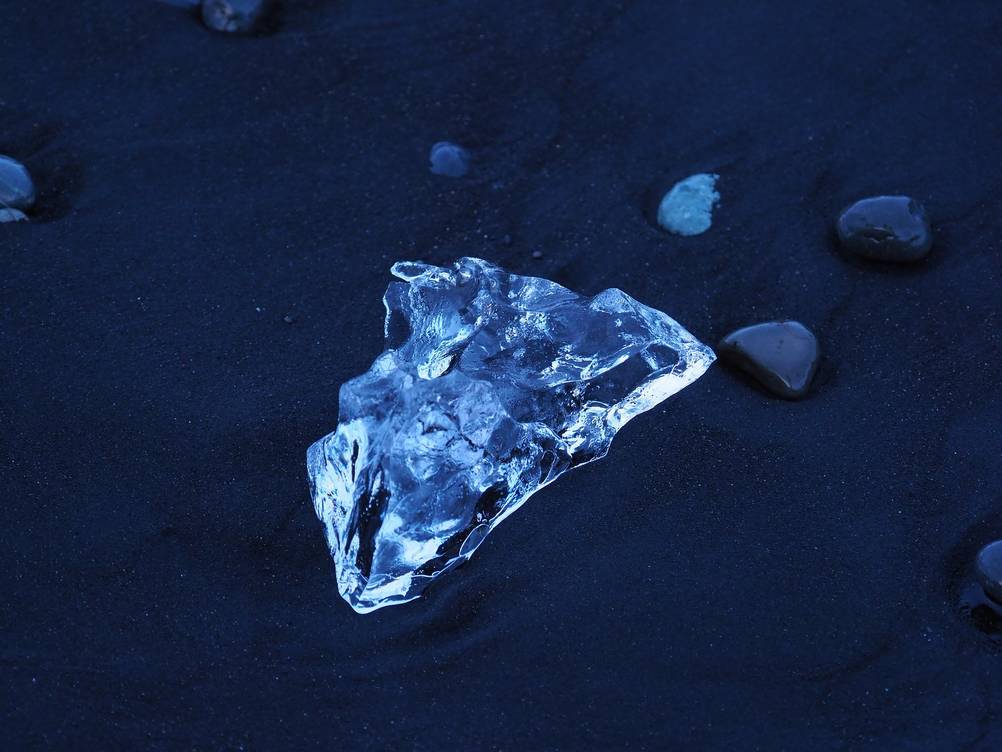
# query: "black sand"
740,573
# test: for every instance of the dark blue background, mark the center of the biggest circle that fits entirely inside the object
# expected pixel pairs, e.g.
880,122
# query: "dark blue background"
740,573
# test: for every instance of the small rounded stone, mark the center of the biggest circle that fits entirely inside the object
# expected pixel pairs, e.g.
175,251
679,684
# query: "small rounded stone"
988,568
886,228
17,190
449,160
687,209
781,355
233,16
12,215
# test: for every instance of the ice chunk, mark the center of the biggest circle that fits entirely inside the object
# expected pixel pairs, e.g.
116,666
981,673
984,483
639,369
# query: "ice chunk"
492,385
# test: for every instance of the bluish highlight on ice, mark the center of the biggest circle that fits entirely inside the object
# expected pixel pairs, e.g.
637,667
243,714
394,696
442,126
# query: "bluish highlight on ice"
492,385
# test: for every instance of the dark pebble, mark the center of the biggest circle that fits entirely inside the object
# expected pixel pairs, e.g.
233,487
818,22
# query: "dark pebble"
233,16
449,160
12,215
988,568
17,190
886,228
537,254
781,355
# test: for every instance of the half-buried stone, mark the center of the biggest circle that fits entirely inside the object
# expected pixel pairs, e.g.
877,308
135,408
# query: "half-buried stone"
17,190
687,209
988,568
12,215
781,355
234,16
886,228
449,160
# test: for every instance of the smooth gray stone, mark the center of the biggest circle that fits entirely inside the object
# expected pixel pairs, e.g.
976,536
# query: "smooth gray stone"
233,16
17,190
12,215
781,355
449,160
886,228
988,568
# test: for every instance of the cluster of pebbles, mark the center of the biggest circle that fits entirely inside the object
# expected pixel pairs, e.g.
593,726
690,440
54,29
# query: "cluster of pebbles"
228,16
782,356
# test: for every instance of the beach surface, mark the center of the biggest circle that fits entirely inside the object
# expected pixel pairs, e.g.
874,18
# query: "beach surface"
204,266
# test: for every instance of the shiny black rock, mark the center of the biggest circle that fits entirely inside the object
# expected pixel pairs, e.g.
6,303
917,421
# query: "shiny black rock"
233,16
988,568
17,190
780,355
886,228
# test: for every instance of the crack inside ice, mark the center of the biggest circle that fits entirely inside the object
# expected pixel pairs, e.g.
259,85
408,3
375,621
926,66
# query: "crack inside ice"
492,385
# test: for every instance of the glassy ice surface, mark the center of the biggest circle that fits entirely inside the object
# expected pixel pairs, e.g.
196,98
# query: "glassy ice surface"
492,385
